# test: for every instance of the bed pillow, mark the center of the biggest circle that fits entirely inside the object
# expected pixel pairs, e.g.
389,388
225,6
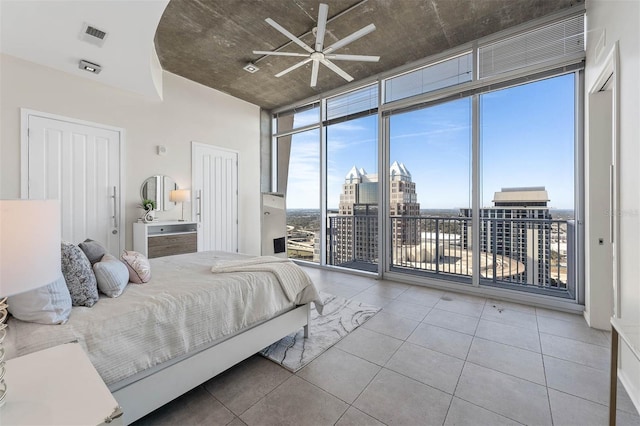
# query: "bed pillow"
138,265
93,250
50,304
79,276
112,275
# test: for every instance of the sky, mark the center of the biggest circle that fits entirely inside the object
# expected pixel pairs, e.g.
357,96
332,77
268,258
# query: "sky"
527,139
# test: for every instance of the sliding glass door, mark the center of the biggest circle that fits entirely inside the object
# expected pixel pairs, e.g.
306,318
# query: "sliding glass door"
527,228
430,189
352,194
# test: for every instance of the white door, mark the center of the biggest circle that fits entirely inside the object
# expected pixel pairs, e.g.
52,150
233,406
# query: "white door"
215,190
79,164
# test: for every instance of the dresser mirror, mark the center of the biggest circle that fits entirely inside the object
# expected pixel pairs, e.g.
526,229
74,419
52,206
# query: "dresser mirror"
157,188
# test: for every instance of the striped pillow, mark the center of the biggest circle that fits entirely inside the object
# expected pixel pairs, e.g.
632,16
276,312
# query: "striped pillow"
112,275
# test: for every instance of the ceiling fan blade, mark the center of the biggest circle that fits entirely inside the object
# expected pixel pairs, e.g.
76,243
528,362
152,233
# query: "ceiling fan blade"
333,67
298,65
350,38
323,11
364,58
290,36
314,73
267,52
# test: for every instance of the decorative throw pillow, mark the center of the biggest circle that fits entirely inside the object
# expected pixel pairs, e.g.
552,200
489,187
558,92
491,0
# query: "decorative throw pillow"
79,276
50,304
93,250
138,265
112,275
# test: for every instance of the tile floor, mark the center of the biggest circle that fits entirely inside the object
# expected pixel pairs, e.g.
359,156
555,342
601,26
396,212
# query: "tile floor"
428,358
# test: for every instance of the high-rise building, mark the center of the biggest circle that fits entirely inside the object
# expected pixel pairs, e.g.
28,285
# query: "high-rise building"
512,228
353,233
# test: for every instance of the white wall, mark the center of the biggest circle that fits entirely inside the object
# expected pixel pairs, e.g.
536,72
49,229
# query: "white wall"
621,22
188,112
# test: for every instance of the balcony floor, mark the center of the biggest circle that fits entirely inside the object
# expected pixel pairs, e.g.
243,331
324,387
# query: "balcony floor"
360,266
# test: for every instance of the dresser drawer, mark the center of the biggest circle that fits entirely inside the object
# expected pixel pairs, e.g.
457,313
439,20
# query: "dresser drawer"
167,245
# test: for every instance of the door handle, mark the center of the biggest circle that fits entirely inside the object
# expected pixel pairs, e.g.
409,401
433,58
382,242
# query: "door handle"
612,214
199,211
115,208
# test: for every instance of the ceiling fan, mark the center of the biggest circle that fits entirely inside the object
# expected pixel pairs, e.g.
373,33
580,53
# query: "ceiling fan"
321,54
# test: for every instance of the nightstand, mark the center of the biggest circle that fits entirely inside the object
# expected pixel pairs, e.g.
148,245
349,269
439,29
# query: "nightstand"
57,386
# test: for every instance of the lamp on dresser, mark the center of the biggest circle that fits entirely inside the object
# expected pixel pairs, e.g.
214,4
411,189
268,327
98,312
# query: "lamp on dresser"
180,196
29,255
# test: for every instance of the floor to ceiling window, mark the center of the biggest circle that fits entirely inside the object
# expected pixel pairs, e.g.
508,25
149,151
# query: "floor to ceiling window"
351,126
481,183
430,189
299,179
352,194
527,233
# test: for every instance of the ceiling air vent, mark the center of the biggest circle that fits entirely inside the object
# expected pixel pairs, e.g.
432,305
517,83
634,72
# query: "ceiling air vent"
92,31
93,35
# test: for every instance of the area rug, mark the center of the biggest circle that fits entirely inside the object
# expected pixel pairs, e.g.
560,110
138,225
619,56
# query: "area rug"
340,317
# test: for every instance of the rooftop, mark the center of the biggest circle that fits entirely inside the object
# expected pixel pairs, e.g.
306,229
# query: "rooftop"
524,195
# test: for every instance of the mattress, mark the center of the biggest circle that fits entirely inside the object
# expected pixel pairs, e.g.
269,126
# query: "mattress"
184,308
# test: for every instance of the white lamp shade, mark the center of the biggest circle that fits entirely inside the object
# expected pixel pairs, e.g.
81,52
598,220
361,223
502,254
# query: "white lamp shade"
180,195
29,244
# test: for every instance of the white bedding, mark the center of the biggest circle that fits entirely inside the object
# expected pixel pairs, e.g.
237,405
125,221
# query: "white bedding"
294,281
183,308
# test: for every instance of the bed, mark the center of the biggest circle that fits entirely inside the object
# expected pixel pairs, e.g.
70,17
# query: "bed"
158,340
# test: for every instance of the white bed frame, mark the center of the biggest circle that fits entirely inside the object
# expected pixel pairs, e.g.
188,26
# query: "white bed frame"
153,391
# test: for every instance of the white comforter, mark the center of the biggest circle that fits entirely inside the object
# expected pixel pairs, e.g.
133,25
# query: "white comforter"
184,307
295,283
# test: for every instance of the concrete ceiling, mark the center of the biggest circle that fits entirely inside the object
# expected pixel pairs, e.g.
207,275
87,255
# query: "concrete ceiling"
209,41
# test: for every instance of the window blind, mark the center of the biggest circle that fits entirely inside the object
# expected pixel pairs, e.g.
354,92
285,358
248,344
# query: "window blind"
354,102
433,77
552,43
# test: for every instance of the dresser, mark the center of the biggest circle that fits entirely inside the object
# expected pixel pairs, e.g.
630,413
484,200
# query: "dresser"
166,238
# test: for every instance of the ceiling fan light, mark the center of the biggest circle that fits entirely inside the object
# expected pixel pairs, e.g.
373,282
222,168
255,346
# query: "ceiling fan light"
250,67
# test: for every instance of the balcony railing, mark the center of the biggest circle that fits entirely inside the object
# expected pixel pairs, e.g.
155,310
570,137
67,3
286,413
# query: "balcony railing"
431,244
526,254
352,242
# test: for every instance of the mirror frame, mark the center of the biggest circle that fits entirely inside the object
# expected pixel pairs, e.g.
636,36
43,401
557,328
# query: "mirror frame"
163,186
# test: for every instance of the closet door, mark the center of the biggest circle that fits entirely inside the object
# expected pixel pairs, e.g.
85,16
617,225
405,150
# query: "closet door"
215,190
78,164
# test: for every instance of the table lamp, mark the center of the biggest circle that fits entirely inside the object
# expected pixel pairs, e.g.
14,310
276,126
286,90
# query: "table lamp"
29,255
180,196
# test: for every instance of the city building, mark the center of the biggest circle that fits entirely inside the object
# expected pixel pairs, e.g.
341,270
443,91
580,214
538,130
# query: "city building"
517,226
353,233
